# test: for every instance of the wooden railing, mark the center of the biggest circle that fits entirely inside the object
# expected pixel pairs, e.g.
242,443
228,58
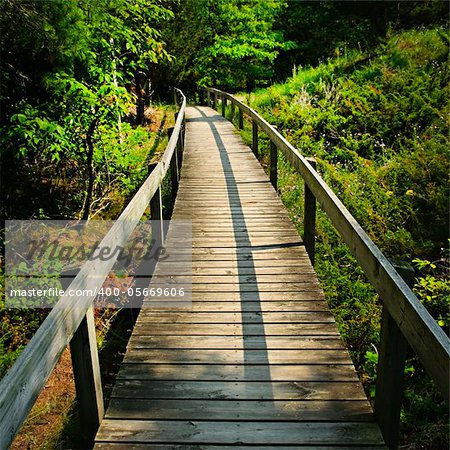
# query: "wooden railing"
404,319
73,324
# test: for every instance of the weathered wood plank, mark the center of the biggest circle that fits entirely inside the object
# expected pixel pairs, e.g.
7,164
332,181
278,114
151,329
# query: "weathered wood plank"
129,446
242,390
245,307
246,356
309,295
230,329
224,410
234,342
238,372
287,433
175,317
244,287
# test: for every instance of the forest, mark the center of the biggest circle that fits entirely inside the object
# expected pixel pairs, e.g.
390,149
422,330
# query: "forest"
361,86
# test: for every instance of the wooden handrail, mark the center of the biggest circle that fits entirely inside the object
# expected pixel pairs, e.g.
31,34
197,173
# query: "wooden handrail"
25,380
402,309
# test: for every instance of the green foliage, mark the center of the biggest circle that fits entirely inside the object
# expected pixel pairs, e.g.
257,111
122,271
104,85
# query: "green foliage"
329,28
379,134
81,98
433,290
225,43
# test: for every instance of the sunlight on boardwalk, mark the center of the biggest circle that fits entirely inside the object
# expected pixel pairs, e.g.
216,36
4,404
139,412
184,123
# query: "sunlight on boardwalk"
258,359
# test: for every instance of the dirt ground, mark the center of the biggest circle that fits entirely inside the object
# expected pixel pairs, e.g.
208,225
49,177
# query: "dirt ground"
51,410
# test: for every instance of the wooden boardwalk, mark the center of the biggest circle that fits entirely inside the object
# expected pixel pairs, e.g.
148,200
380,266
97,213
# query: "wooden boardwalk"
257,362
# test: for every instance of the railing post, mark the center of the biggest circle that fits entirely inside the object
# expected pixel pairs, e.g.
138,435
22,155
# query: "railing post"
309,221
156,214
241,119
224,105
215,100
232,112
201,95
273,170
182,139
174,166
175,100
180,144
255,137
86,371
390,372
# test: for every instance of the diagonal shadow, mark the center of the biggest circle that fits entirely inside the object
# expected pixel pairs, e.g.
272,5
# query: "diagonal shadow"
245,268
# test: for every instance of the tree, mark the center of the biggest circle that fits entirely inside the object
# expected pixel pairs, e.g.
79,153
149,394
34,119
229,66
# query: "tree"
69,70
227,43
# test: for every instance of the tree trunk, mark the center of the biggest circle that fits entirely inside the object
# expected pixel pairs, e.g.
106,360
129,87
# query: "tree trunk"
90,167
140,98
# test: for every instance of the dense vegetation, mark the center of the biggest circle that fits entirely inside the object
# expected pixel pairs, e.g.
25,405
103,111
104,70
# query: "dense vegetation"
361,86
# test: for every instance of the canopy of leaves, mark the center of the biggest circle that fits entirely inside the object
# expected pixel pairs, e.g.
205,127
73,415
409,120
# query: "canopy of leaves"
228,43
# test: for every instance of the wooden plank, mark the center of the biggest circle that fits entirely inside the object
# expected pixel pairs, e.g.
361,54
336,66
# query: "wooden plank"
242,390
131,446
228,356
225,410
172,317
199,432
306,286
248,278
246,307
238,372
310,295
262,252
234,342
270,267
229,329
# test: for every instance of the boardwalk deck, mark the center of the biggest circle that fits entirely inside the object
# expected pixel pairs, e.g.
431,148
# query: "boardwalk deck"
258,361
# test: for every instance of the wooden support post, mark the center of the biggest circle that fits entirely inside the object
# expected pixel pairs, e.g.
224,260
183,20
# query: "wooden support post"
390,372
241,119
173,168
182,139
309,220
156,214
174,176
86,371
255,138
391,367
208,99
273,170
232,112
215,100
224,105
